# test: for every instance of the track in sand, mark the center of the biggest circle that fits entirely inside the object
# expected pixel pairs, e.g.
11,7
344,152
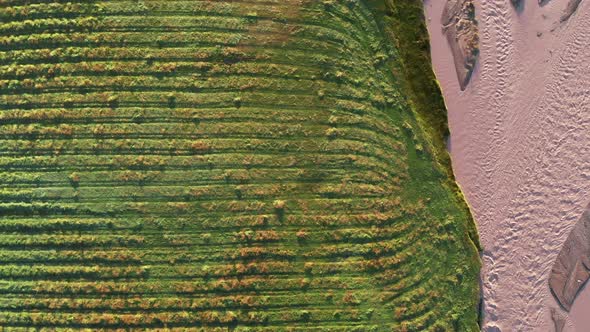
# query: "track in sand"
520,149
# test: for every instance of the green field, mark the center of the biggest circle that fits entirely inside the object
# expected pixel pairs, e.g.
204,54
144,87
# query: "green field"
246,165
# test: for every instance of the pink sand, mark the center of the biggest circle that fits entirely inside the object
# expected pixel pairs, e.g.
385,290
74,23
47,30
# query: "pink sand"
521,150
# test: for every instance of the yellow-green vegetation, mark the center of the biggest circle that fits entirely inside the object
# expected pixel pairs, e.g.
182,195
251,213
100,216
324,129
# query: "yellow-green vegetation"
403,23
255,165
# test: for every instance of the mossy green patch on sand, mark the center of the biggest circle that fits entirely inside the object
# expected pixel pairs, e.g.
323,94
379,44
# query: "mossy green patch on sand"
226,165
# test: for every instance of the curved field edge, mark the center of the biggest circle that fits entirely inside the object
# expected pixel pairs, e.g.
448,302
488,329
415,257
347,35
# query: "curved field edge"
403,21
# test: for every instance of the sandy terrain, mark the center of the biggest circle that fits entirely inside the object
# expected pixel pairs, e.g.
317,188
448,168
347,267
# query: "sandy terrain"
521,150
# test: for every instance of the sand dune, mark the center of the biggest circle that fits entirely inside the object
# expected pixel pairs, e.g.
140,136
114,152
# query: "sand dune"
570,10
572,267
520,147
460,28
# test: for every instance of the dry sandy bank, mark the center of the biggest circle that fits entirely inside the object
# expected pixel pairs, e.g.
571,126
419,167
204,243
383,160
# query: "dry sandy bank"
521,150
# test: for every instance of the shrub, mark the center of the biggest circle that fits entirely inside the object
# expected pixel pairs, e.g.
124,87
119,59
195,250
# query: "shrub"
329,296
74,179
113,101
200,147
301,235
279,205
238,192
331,133
350,298
304,315
304,283
206,237
238,102
171,100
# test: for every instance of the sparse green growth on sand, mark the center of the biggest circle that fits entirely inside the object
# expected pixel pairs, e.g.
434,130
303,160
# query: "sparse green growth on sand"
269,165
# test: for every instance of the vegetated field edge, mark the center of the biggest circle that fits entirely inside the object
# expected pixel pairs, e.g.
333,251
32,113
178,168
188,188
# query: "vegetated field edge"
405,23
